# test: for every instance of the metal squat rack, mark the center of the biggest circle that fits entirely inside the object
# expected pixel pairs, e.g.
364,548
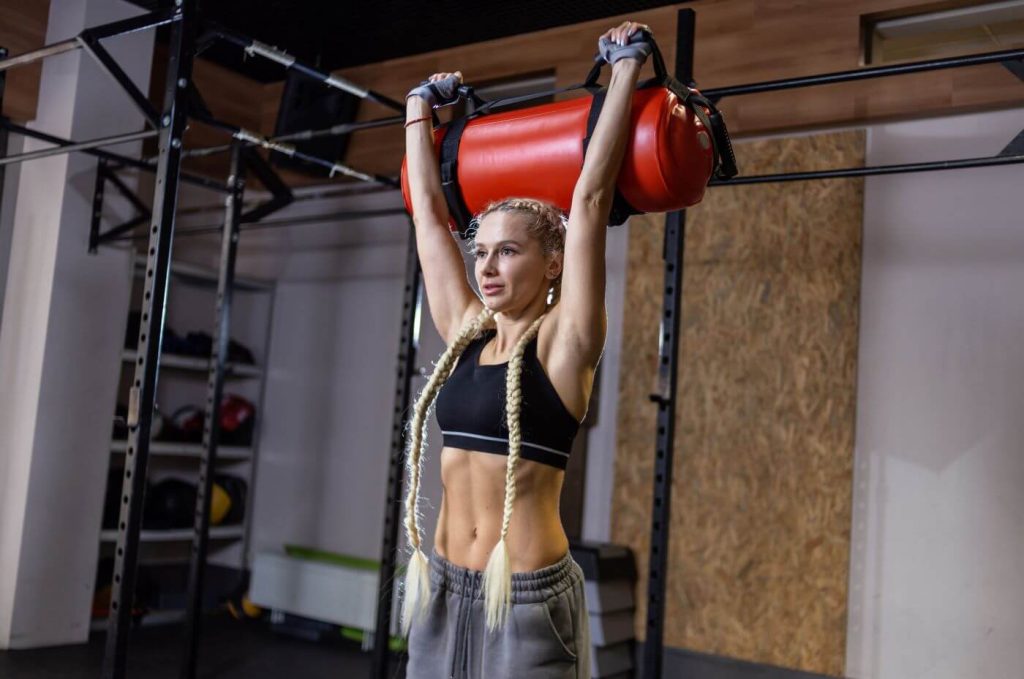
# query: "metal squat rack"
181,101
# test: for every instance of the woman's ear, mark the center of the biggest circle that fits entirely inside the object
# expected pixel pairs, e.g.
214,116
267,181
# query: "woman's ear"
554,266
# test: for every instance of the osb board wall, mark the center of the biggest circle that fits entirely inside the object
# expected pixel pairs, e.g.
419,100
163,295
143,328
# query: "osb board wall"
760,513
737,42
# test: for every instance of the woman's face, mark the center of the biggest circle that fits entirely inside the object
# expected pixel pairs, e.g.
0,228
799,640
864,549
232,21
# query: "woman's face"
510,266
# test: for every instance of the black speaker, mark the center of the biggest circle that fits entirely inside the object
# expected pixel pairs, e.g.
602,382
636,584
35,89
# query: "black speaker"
308,104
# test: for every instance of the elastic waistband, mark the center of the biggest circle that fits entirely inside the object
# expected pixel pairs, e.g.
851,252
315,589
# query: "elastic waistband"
527,587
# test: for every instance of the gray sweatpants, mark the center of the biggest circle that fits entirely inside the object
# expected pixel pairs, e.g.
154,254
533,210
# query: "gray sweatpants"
546,634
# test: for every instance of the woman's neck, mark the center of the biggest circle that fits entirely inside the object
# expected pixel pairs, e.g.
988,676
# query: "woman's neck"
509,329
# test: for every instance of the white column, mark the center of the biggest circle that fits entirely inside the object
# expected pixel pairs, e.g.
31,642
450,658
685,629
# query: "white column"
60,342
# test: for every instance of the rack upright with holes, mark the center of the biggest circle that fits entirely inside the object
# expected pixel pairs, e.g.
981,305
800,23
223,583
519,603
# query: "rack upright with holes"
164,551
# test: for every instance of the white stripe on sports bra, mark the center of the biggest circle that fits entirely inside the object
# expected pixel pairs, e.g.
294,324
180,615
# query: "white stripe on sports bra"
494,438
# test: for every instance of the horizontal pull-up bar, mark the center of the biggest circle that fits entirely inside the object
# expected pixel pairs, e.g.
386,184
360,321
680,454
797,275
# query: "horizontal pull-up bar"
871,171
139,23
283,223
125,161
255,139
865,73
79,146
302,135
41,53
288,61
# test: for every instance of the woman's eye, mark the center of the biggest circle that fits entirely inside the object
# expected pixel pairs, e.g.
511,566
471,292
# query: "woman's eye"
506,251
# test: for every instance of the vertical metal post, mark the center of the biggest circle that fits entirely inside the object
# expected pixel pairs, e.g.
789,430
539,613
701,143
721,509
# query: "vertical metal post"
143,389
412,305
3,130
211,428
668,343
97,205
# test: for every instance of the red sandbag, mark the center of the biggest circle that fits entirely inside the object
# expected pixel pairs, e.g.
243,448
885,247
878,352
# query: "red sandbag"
537,152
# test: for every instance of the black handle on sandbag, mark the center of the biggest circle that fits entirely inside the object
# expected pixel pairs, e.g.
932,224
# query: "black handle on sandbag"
713,120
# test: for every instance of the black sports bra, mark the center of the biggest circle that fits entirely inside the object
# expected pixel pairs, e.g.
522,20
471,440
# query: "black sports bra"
471,408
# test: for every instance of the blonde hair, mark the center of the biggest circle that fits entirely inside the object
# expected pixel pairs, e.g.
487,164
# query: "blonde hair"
497,579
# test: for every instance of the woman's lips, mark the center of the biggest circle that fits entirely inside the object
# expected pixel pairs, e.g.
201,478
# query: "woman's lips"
491,289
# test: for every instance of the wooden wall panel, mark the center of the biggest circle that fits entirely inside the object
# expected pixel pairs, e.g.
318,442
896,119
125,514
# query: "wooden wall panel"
738,42
22,29
761,491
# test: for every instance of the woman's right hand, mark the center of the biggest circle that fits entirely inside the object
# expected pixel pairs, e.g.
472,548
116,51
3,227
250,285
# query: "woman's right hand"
440,89
628,40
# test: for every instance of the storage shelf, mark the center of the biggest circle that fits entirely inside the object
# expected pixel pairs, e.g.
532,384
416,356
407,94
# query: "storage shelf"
173,449
181,362
179,534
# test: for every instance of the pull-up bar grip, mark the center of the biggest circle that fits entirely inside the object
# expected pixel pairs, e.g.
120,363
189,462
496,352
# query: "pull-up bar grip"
41,53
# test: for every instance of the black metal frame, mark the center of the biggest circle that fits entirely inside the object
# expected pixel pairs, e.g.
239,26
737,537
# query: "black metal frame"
170,124
142,398
665,398
104,174
211,427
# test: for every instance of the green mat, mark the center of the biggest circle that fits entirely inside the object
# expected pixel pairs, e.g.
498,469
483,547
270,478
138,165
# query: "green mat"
395,644
335,559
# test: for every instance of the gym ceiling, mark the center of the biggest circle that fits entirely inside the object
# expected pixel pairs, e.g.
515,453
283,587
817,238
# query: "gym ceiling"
335,34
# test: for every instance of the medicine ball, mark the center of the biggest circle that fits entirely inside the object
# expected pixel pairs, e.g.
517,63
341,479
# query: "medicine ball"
220,504
171,503
237,420
185,425
237,489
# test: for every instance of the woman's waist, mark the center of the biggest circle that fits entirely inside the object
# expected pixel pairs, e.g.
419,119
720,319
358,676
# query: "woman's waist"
532,541
535,511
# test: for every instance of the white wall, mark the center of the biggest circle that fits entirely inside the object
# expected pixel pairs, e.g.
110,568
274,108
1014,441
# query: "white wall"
64,315
937,548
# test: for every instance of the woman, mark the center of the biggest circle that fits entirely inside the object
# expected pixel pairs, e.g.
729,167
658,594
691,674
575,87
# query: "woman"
501,595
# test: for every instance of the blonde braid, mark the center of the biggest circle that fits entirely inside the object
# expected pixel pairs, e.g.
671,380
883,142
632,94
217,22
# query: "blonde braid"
417,576
497,581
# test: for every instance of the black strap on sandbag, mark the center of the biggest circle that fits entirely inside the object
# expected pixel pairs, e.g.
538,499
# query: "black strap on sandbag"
450,176
621,208
724,163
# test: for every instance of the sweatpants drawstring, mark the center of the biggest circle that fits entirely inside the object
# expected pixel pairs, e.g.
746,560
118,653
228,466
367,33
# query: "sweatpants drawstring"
468,629
462,628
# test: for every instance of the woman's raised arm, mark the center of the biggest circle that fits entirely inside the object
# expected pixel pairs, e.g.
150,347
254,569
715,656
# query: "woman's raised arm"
449,294
582,319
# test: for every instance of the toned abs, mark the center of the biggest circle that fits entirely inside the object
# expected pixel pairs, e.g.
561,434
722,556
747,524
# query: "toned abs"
469,521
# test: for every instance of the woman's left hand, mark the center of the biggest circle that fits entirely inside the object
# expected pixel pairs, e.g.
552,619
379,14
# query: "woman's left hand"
628,40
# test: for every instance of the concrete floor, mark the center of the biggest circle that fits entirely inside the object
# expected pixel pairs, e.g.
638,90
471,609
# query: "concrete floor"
229,649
